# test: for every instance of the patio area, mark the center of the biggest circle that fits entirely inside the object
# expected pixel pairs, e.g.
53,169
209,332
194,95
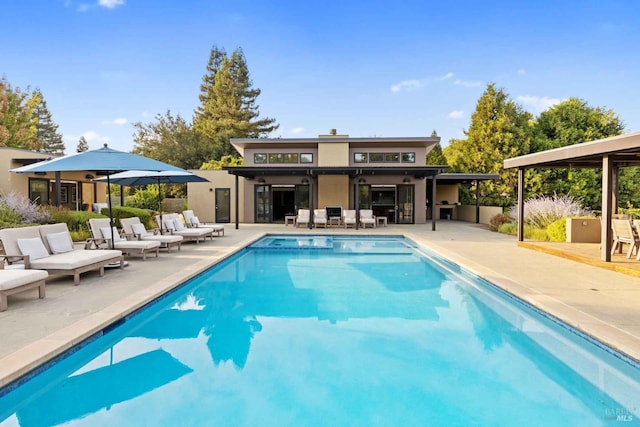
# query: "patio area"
600,302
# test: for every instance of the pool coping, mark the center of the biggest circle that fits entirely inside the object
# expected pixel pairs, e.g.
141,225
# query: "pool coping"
22,362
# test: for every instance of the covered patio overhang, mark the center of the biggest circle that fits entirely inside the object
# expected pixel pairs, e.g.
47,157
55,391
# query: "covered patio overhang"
609,155
467,178
312,172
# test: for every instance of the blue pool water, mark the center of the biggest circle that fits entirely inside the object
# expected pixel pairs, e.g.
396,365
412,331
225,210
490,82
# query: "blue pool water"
366,331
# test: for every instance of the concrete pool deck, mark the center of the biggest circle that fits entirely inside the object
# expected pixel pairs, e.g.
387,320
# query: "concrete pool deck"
602,303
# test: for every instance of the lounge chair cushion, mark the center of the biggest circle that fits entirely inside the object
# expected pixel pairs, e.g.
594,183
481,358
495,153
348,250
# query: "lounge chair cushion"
13,278
59,243
195,221
139,230
33,247
74,259
178,225
106,233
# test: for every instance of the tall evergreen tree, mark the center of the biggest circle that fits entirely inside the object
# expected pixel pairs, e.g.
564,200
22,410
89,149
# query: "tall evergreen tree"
82,145
18,124
436,157
229,108
46,129
499,130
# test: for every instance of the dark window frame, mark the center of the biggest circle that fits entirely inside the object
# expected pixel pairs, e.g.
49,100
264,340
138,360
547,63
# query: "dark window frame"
255,158
303,160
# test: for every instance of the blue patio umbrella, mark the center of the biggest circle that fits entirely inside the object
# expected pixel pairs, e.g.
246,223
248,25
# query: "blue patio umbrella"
103,161
142,177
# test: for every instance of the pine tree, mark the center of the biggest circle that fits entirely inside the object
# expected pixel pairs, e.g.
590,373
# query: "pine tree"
435,156
46,129
82,145
229,108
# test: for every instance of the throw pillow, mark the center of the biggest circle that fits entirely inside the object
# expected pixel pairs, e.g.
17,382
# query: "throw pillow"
106,233
32,247
139,230
60,242
169,224
195,221
178,225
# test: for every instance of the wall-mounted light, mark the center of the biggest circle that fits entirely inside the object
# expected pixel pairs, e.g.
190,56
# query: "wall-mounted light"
211,189
406,179
262,181
305,181
362,181
40,173
89,176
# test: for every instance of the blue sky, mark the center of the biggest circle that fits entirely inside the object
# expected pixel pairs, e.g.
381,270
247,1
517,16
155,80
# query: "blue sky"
366,68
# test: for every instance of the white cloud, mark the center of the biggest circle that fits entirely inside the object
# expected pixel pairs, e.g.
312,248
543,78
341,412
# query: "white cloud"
406,84
117,121
93,136
110,4
447,76
466,83
538,103
297,130
456,114
522,72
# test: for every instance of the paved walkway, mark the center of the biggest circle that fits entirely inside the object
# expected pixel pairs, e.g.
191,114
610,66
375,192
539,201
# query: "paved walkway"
602,303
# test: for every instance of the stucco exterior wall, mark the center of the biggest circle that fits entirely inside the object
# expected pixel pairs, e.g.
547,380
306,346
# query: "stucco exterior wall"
468,213
333,191
333,153
201,195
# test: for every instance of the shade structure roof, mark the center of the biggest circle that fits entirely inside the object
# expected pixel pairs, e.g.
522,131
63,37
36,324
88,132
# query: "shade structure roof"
105,160
623,150
415,171
137,177
464,178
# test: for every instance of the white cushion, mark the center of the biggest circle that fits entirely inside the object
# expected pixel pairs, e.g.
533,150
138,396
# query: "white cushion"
139,230
60,242
169,224
195,221
178,225
106,233
33,247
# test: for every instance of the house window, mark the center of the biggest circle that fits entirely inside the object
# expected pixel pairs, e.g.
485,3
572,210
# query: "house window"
408,157
306,157
376,157
291,158
391,157
275,157
259,158
360,157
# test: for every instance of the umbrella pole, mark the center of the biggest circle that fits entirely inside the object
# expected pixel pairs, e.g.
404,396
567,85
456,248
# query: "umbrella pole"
110,212
160,204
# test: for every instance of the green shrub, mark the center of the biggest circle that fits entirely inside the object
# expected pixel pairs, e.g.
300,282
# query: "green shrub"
75,220
80,236
634,213
510,228
498,220
128,212
537,234
144,198
557,230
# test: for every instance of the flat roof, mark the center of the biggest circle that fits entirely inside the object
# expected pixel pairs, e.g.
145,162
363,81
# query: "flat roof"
624,150
462,178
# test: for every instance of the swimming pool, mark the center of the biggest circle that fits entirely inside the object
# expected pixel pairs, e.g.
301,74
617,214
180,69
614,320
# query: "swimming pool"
356,331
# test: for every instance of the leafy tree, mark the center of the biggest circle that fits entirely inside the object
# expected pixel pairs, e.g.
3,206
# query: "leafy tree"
172,140
499,130
572,122
82,145
46,129
18,124
228,103
224,161
435,156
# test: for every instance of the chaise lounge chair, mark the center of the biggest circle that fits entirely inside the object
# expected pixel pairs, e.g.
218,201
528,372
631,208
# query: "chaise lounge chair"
15,281
101,233
172,224
366,218
349,218
192,221
50,248
320,218
135,228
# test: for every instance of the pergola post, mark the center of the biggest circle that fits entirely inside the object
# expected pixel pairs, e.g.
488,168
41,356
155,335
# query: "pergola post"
520,204
237,204
606,235
357,206
477,201
310,178
433,203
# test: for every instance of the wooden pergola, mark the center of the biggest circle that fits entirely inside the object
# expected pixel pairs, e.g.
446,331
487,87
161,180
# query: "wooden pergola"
609,155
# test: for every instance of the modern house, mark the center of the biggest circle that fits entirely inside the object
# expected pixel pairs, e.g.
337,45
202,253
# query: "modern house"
280,176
